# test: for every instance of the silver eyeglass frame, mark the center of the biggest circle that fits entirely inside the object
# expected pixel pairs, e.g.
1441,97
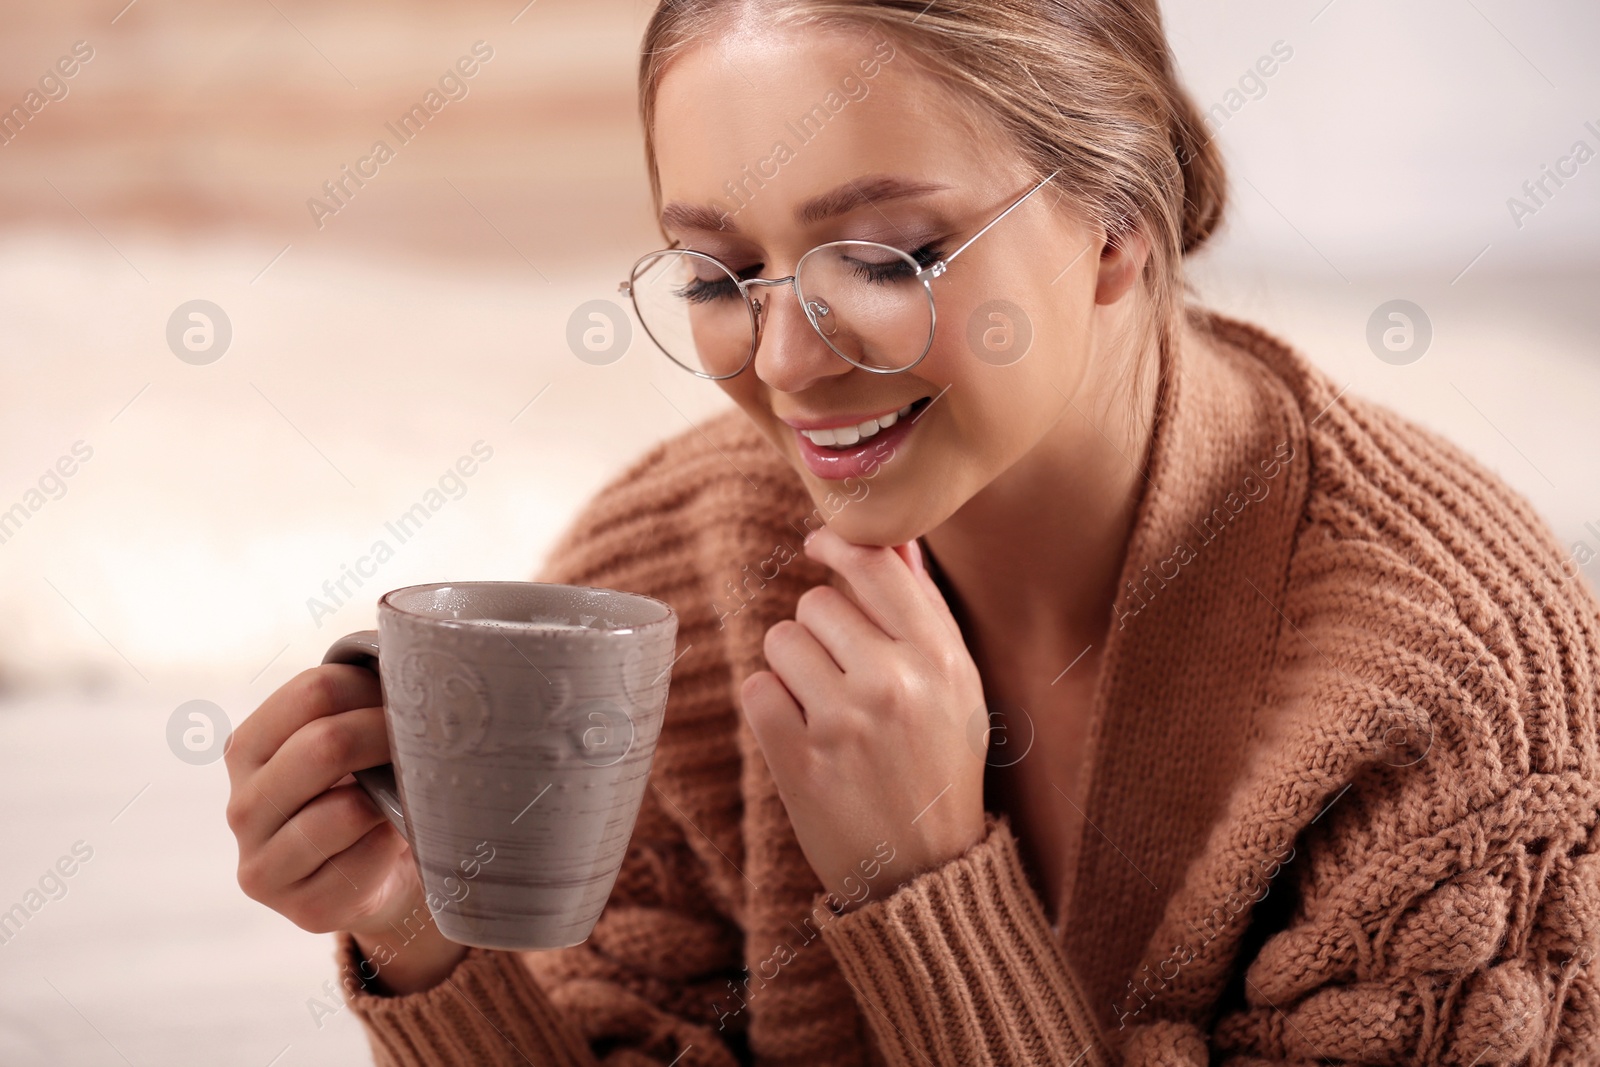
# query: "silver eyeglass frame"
814,310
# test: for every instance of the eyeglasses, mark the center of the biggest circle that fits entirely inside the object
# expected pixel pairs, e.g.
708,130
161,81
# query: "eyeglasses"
871,303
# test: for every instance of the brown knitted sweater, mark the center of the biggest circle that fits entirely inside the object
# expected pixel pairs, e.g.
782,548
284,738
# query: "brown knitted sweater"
1343,785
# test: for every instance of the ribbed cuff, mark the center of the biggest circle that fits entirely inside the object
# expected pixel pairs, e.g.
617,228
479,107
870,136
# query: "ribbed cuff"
488,1010
958,968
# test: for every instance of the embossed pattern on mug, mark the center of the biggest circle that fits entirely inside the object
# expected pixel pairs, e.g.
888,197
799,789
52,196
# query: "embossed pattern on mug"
536,739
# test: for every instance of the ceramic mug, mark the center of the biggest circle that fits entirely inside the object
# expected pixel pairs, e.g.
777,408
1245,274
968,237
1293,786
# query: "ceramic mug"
522,721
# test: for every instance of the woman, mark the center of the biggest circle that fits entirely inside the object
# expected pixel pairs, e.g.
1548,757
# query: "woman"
1135,695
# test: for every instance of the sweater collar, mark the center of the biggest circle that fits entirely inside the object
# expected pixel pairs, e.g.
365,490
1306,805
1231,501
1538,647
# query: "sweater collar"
1191,641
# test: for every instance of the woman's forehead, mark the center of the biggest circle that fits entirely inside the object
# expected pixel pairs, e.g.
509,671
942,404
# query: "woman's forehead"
782,114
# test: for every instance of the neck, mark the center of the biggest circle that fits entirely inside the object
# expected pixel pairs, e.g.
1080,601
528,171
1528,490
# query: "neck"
1031,563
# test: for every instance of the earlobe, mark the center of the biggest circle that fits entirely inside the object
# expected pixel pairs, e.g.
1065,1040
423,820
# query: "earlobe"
1120,265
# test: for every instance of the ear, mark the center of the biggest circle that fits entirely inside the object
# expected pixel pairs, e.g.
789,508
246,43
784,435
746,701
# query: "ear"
1121,263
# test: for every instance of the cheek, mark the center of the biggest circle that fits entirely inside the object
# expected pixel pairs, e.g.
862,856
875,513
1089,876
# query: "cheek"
1017,346
1008,311
1000,404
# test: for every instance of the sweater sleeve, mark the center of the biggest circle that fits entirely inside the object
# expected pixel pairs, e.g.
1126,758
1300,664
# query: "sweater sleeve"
488,1010
639,992
959,968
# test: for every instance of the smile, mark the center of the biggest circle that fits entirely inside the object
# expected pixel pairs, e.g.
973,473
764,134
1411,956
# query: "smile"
845,451
844,436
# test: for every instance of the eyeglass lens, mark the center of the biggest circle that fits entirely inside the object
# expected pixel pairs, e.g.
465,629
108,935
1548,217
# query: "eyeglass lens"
862,298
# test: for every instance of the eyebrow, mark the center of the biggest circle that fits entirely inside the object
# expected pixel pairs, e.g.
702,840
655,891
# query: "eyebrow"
872,189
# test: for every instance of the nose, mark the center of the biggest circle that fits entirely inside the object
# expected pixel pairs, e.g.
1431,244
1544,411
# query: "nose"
791,357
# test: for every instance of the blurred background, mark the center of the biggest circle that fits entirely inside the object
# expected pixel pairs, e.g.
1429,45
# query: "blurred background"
180,489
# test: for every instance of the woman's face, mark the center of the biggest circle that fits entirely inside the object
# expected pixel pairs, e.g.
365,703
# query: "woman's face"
901,164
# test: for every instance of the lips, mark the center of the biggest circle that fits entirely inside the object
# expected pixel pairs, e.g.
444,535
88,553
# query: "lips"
862,458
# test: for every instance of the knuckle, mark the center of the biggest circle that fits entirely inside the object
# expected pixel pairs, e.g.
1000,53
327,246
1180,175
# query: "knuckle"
875,557
252,877
847,732
905,686
314,913
331,744
886,689
317,691
778,633
353,809
237,813
814,601
856,552
952,662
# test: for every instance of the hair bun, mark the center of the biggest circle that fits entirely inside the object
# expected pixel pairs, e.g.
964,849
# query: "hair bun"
1205,192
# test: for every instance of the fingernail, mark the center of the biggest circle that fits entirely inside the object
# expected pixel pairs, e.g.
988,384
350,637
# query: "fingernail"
916,557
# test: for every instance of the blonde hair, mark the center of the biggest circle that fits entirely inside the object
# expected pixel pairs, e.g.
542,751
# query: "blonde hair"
1086,87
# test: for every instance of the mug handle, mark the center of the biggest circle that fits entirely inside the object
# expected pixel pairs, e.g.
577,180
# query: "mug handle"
360,649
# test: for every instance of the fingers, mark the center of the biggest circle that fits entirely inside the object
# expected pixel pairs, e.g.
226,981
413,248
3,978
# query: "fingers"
885,588
916,559
776,720
349,888
309,695
850,639
315,834
314,759
810,675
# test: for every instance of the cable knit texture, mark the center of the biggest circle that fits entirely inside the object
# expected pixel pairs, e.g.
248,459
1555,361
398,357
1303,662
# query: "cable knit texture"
1341,784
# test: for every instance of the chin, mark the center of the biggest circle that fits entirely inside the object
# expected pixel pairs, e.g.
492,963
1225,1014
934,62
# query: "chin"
859,508
863,522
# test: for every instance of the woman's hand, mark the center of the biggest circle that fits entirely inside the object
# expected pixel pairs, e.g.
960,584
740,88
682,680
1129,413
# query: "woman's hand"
863,720
312,845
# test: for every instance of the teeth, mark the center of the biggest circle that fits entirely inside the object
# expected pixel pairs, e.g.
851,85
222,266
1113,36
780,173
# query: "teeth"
845,436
